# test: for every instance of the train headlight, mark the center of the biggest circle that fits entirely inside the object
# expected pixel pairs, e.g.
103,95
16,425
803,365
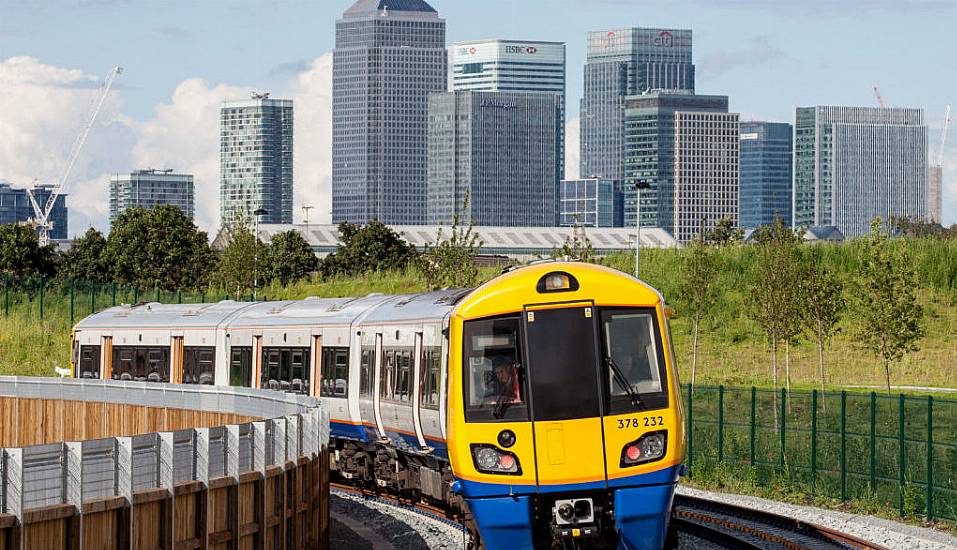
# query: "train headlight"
648,448
491,460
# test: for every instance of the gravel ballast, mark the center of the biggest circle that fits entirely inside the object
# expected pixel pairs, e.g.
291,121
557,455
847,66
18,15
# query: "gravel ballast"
889,534
360,524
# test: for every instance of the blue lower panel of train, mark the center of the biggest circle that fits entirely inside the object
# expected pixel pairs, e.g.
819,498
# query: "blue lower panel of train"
640,506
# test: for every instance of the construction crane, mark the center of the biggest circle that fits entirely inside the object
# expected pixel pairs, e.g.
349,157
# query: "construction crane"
880,100
41,216
939,161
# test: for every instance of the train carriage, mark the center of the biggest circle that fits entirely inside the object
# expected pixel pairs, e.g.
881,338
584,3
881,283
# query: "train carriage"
542,406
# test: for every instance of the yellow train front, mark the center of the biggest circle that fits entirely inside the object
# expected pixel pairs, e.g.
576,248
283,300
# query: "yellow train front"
565,420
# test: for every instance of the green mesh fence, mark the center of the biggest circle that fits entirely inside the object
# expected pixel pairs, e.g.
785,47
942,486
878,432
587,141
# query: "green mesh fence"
901,450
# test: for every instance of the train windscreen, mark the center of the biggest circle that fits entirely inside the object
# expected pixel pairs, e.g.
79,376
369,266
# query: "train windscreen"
634,361
494,377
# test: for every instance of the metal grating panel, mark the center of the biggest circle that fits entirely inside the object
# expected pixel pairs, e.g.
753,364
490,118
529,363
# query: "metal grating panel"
184,467
245,447
99,468
217,452
43,475
145,462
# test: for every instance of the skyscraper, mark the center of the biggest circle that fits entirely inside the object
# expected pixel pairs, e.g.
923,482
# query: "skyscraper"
15,207
685,147
852,164
255,158
935,194
621,63
499,149
590,203
513,66
766,161
389,56
151,188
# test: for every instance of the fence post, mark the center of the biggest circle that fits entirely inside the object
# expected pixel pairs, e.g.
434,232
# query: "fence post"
136,295
900,452
781,457
721,423
873,444
42,284
6,294
179,296
157,295
813,440
92,297
72,304
843,446
113,292
930,458
690,429
202,296
754,395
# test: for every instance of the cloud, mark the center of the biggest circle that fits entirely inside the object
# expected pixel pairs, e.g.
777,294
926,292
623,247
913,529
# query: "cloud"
311,92
572,148
183,135
758,51
44,107
42,111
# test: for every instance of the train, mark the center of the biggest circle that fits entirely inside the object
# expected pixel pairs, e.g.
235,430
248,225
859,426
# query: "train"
543,407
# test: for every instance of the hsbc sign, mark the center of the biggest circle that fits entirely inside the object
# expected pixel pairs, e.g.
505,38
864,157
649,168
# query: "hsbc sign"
529,50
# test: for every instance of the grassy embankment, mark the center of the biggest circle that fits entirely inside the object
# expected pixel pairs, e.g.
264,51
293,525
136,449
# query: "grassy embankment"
732,347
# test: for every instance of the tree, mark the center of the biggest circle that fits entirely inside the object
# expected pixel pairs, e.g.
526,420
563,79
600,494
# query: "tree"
450,262
577,246
159,247
21,255
724,233
823,305
238,262
364,248
774,290
697,292
290,258
85,260
887,300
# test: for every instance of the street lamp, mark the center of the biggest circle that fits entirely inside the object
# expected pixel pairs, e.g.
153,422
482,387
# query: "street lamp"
639,185
260,212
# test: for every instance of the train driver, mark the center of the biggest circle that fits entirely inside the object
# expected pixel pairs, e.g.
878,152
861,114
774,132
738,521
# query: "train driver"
503,387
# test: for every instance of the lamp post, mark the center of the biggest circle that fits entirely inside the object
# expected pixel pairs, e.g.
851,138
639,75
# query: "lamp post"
260,212
639,185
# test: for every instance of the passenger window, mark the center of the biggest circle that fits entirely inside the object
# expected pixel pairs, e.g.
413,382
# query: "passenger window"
199,365
404,381
431,364
241,366
141,363
335,372
286,369
89,362
494,377
365,371
387,382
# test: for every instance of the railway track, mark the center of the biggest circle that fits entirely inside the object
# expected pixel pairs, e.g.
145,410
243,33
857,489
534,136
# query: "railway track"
719,524
731,526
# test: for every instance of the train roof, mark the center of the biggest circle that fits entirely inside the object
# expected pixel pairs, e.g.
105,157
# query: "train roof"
374,308
156,315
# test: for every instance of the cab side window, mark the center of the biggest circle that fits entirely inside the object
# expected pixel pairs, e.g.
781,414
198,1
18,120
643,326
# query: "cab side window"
335,372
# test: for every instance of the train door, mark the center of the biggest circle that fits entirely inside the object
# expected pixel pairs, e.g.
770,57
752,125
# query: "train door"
417,361
106,358
565,393
376,386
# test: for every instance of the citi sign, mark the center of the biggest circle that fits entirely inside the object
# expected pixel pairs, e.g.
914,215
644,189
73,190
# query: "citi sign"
664,39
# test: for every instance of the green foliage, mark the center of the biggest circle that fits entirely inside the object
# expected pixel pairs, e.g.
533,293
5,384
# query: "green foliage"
697,292
238,263
887,300
85,259
366,248
725,233
289,258
775,285
21,255
823,305
159,247
576,247
450,262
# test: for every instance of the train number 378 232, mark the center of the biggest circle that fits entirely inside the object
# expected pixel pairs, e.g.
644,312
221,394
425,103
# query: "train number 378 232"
648,422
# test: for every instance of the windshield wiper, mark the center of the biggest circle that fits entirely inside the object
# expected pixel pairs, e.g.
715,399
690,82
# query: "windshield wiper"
623,382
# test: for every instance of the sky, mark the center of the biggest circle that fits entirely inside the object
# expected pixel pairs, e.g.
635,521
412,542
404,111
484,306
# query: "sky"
182,58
